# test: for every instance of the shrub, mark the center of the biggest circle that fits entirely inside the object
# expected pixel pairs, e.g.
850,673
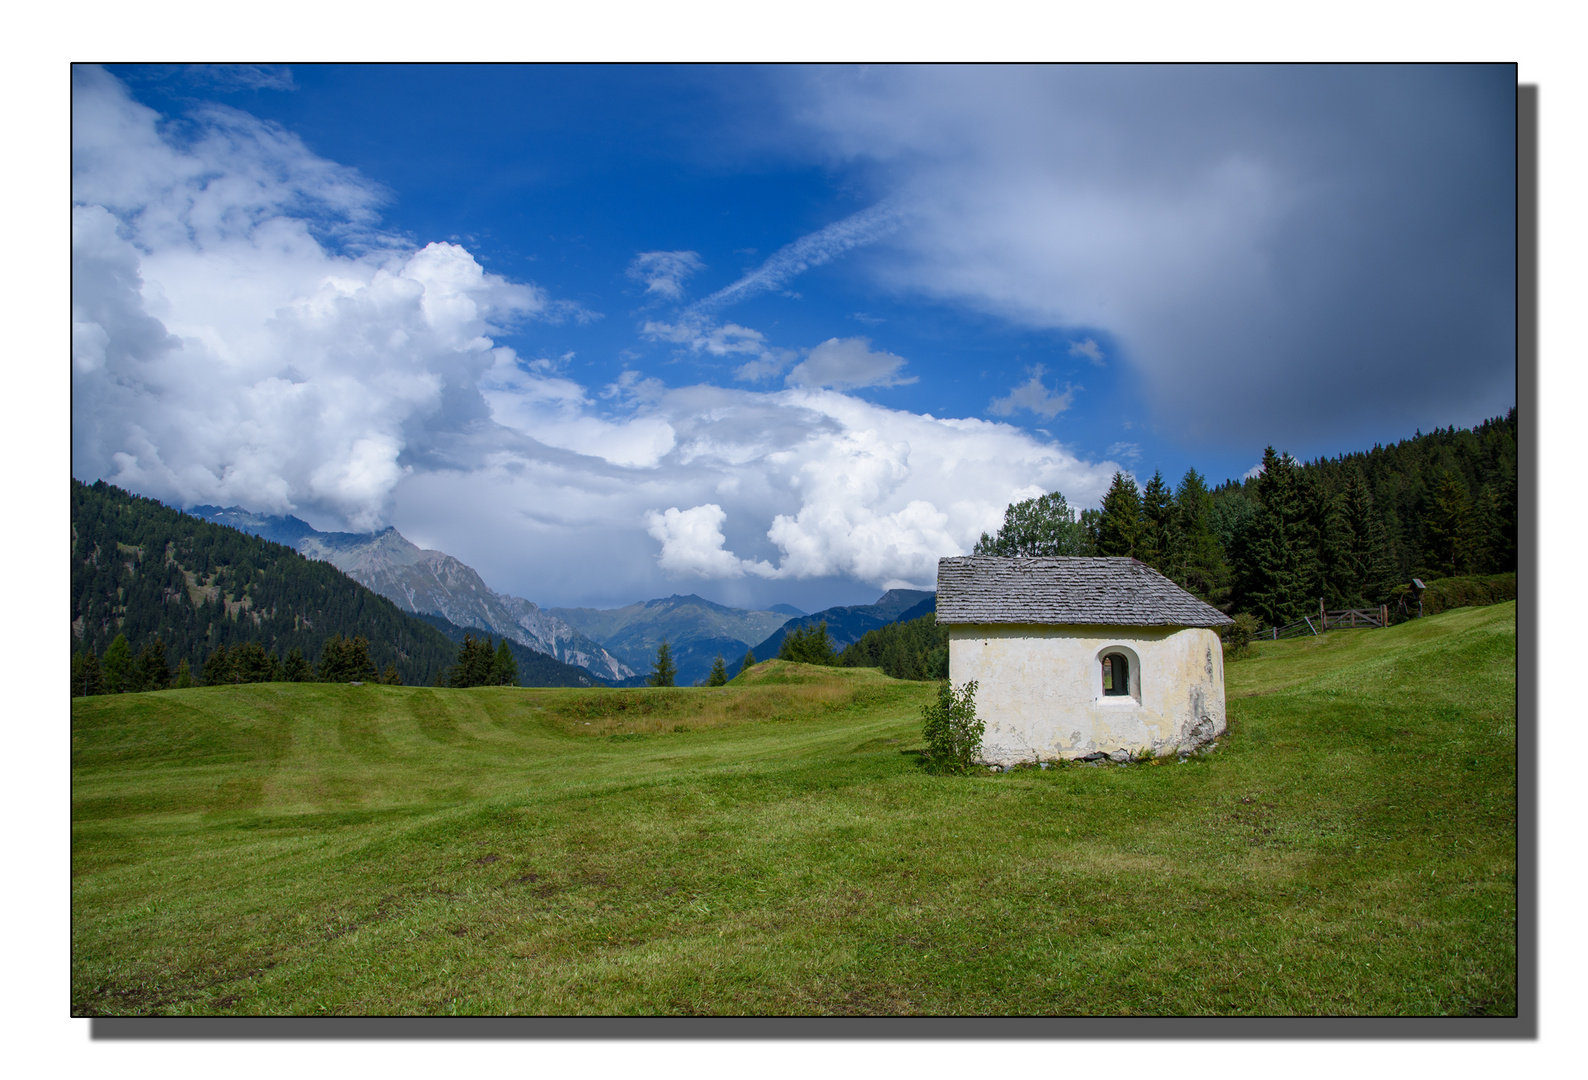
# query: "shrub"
952,731
1238,642
1454,592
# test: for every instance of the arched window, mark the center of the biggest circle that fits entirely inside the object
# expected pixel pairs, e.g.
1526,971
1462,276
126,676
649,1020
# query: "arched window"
1116,675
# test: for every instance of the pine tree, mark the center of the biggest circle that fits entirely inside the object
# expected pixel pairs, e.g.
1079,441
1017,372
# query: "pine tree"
505,671
118,666
149,670
1196,558
1368,564
1274,561
390,677
1119,527
1044,525
664,670
719,672
1157,523
808,645
184,675
747,663
87,678
218,668
476,663
355,654
295,668
1449,527
333,664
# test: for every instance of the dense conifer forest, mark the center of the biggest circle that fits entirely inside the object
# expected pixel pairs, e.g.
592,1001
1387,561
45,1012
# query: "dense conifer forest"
167,590
1349,531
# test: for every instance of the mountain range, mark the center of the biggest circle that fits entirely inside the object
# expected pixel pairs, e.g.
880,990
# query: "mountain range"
616,645
696,630
424,582
846,624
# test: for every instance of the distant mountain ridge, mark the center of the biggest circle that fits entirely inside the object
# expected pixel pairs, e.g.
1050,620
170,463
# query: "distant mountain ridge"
847,623
421,581
696,629
149,572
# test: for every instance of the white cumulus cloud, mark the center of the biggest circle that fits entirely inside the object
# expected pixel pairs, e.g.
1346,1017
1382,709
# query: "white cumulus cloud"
226,346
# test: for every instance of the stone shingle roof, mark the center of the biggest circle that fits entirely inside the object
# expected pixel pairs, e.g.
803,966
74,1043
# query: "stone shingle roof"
1068,590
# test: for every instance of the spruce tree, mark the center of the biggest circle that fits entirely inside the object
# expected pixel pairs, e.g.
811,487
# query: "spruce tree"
150,671
184,675
476,663
333,665
1449,528
1119,527
719,672
1157,523
747,663
1368,563
118,666
1196,558
390,676
295,668
355,653
218,668
87,678
505,671
664,670
808,645
1274,561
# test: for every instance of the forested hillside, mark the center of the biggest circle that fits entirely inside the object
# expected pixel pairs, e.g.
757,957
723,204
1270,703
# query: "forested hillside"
1348,530
146,572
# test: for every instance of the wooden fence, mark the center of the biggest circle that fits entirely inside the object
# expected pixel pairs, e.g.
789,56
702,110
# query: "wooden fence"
1327,620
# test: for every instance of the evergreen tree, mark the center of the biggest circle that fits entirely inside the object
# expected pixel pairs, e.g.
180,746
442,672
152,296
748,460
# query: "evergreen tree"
1449,530
1157,523
333,665
87,678
184,675
747,663
476,663
149,670
719,672
218,668
1119,527
1041,526
1196,558
390,677
1091,519
117,667
1368,564
505,670
355,654
664,670
808,645
1273,563
252,664
295,668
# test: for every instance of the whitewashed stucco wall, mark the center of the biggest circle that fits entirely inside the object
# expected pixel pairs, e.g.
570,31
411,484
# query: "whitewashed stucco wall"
1040,689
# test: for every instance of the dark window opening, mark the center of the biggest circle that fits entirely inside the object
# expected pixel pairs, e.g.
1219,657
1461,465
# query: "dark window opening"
1116,675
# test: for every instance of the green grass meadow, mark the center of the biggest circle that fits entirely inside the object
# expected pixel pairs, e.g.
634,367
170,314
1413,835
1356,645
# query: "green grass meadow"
775,847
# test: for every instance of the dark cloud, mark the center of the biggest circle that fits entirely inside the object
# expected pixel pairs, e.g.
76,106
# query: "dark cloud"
1282,253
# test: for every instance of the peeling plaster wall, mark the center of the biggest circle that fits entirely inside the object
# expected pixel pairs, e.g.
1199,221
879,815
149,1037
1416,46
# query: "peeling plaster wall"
1040,689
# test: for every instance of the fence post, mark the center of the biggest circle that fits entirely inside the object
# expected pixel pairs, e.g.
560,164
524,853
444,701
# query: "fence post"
1383,614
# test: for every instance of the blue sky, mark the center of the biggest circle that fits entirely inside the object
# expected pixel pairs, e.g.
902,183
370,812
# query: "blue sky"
768,334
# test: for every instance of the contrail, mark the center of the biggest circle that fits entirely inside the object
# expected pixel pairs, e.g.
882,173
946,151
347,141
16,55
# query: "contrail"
819,247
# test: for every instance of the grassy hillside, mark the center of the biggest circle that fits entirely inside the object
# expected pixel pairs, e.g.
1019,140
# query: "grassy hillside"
774,847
